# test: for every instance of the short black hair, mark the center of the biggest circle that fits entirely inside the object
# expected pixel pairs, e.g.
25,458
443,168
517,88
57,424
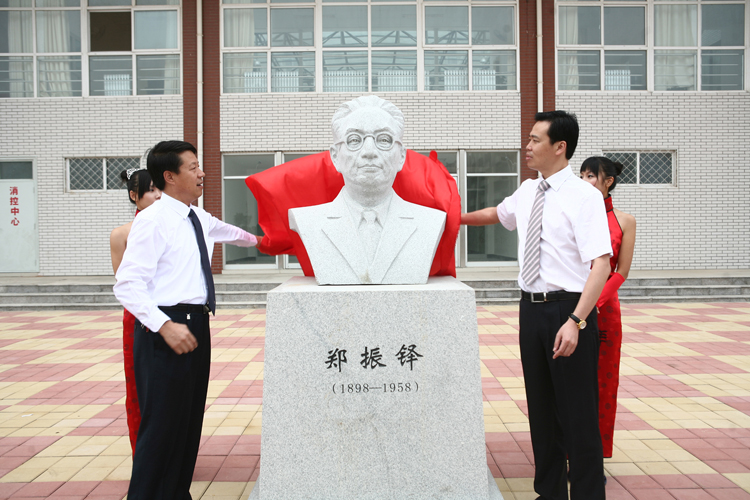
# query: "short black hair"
562,127
165,156
609,168
139,183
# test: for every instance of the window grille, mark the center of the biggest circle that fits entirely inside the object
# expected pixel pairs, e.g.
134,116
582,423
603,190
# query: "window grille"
645,167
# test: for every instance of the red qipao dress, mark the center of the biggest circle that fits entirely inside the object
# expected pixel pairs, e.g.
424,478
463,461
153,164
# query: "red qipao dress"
131,397
610,328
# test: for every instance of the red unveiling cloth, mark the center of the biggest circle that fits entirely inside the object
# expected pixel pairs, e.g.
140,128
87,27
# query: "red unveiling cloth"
313,180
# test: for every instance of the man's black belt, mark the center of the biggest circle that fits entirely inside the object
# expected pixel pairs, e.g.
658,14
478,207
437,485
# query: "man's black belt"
549,296
187,308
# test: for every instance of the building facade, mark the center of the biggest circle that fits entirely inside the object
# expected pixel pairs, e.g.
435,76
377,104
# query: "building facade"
86,86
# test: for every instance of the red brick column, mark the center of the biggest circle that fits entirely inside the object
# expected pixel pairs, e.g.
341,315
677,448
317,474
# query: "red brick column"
189,73
211,128
528,70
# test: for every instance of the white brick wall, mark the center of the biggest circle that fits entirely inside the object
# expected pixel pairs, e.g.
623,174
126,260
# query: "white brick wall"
302,122
74,227
702,221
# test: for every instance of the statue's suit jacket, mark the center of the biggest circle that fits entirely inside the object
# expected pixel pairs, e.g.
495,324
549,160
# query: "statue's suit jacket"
408,242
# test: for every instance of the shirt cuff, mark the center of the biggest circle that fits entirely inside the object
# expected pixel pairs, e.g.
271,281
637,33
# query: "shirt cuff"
156,320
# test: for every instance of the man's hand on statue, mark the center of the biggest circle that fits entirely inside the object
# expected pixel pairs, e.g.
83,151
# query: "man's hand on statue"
178,337
566,340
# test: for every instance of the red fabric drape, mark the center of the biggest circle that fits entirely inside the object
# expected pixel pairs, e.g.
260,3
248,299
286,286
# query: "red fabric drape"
313,180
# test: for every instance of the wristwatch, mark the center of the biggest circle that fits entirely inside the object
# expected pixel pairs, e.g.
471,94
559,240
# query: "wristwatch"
580,323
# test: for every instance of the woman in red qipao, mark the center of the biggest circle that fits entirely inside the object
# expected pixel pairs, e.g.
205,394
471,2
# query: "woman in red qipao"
142,194
602,173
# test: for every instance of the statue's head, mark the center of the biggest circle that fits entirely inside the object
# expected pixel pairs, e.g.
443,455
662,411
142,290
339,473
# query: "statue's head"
367,147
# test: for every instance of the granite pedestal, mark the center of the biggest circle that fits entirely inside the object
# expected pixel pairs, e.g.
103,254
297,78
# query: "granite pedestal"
372,392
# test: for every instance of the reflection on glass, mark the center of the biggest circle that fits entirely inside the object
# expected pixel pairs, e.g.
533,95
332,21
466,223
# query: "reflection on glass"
245,73
58,31
394,26
16,76
59,76
156,29
446,70
449,159
722,69
625,70
15,32
723,25
345,71
244,165
58,3
624,25
490,243
291,27
579,26
16,170
345,26
394,71
293,72
110,31
492,25
241,210
245,28
675,70
578,70
111,75
447,25
492,162
158,75
109,3
494,70
675,25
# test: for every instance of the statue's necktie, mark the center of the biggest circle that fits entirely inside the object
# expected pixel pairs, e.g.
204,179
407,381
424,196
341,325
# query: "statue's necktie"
205,263
532,252
369,231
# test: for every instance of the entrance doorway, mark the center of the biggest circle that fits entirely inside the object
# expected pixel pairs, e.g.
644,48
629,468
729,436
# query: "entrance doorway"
19,236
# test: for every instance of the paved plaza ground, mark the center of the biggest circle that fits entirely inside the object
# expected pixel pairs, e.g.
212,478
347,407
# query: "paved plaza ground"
683,423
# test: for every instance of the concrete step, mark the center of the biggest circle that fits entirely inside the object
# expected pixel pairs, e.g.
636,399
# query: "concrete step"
237,293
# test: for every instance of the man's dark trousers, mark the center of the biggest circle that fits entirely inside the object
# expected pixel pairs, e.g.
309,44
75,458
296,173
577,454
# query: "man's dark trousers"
562,396
172,397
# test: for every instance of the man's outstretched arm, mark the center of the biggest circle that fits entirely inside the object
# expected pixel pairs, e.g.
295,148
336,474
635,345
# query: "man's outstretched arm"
484,217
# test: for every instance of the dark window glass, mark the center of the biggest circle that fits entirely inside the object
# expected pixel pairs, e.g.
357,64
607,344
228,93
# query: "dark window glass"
110,31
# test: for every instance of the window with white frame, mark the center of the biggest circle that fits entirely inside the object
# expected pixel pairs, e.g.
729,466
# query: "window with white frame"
662,45
73,48
644,167
368,45
98,174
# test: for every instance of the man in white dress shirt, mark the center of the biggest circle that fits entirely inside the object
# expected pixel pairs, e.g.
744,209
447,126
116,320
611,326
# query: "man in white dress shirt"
563,270
165,281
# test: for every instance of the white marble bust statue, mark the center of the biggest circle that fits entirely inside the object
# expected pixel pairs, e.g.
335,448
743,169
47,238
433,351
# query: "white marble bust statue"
368,234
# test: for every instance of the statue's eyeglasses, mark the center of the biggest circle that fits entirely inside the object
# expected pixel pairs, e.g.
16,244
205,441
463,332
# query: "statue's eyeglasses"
383,141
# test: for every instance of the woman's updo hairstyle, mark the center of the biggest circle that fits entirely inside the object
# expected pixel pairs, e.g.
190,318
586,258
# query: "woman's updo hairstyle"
137,181
602,164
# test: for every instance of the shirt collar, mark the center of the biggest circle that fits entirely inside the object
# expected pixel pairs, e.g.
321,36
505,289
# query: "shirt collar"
381,209
176,205
557,179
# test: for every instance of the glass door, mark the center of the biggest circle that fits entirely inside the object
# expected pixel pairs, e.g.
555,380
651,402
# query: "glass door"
241,209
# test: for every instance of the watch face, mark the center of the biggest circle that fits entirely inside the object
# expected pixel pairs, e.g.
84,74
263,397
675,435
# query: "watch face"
582,324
